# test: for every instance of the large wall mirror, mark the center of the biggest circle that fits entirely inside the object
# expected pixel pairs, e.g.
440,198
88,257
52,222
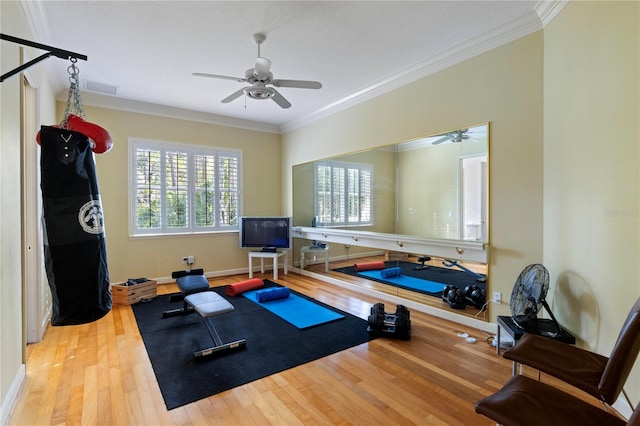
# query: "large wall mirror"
435,187
432,187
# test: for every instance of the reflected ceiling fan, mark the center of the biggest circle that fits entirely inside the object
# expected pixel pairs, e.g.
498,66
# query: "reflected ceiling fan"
455,136
260,77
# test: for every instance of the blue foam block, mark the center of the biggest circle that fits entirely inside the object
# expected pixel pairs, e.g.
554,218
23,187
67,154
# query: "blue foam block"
274,293
391,272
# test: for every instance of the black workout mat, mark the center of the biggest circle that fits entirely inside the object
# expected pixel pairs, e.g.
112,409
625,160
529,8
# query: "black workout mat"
273,345
446,276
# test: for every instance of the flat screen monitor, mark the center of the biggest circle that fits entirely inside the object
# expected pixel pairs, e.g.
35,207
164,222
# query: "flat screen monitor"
266,233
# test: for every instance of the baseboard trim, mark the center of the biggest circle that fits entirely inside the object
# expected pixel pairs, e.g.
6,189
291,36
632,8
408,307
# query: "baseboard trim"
12,394
440,313
485,326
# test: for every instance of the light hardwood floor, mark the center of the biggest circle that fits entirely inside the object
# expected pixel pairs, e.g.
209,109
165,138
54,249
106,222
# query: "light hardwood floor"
100,374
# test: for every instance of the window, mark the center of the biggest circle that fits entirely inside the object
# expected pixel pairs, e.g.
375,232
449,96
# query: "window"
183,189
344,193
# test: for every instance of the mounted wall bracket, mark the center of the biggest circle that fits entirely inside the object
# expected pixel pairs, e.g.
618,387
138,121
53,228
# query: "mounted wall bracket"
52,51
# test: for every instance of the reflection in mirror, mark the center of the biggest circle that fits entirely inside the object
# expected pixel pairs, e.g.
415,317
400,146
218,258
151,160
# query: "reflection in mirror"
433,188
442,186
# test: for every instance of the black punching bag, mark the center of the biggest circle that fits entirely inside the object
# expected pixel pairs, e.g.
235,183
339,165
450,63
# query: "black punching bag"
74,243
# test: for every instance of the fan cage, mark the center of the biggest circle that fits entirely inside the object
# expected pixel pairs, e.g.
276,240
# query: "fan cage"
529,293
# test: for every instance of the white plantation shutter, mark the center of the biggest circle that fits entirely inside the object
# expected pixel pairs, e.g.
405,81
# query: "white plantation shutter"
182,189
148,187
344,193
228,195
176,189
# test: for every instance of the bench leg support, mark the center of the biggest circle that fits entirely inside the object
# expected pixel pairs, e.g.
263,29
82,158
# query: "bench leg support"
219,345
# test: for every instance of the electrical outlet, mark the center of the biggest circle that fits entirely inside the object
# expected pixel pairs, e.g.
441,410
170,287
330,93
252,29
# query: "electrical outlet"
191,260
184,259
347,246
497,298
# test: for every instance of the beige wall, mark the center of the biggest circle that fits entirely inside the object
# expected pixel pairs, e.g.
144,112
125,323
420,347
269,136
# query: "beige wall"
591,164
478,90
12,304
10,263
157,257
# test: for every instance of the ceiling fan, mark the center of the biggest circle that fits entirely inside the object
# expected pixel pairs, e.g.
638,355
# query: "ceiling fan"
260,77
455,136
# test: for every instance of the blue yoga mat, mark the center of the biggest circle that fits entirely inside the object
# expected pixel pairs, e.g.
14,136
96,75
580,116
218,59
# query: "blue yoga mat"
407,281
296,310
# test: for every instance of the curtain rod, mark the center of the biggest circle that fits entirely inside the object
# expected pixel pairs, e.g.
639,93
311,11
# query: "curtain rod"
52,51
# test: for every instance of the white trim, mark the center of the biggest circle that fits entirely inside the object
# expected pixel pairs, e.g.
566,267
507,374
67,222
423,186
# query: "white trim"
12,394
486,326
127,105
548,9
474,251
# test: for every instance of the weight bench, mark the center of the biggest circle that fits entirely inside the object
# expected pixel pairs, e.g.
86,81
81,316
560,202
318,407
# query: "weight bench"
189,282
208,304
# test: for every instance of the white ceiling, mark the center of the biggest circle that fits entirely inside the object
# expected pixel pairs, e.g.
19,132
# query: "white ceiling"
356,49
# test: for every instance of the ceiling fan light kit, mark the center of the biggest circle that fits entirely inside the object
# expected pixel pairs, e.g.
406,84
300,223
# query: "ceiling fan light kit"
260,77
259,92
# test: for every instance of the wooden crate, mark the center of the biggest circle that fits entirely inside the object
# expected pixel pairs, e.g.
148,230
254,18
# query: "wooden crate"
396,255
123,294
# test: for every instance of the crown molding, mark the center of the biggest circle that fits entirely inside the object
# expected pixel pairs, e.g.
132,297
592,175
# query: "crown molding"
513,30
137,107
548,9
543,13
40,29
37,21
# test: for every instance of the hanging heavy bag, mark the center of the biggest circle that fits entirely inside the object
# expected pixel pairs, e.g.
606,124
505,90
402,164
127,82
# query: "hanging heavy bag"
74,241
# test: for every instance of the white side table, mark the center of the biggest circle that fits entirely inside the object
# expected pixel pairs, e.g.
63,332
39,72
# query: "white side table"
270,255
315,250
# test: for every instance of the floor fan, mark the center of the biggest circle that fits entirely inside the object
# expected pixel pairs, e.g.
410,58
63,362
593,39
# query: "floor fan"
529,296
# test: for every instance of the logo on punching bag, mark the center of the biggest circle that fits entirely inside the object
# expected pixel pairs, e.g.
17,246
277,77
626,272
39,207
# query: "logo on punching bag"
90,217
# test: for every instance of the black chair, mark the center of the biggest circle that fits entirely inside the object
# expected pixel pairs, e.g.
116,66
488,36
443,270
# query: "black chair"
600,376
523,401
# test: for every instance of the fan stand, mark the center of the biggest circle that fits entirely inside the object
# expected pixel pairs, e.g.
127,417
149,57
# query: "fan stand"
524,327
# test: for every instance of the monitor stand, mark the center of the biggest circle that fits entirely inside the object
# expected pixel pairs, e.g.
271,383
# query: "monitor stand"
269,250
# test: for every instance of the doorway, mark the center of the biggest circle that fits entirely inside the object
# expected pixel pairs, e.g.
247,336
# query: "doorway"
473,172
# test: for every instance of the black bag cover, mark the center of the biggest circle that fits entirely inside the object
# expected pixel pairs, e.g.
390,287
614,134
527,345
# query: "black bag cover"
74,244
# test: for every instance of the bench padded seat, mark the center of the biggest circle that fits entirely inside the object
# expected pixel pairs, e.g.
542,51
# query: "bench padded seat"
209,304
192,284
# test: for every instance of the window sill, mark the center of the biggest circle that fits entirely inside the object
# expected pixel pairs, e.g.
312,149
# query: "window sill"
181,234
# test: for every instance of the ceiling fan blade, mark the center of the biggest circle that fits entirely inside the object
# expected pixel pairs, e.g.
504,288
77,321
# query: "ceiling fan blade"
279,99
263,65
224,77
233,96
441,140
299,84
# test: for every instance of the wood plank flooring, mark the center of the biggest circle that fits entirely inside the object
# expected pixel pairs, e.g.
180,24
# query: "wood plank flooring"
100,374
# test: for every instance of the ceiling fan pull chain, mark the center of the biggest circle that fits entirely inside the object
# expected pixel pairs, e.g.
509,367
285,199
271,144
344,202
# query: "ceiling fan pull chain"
74,101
